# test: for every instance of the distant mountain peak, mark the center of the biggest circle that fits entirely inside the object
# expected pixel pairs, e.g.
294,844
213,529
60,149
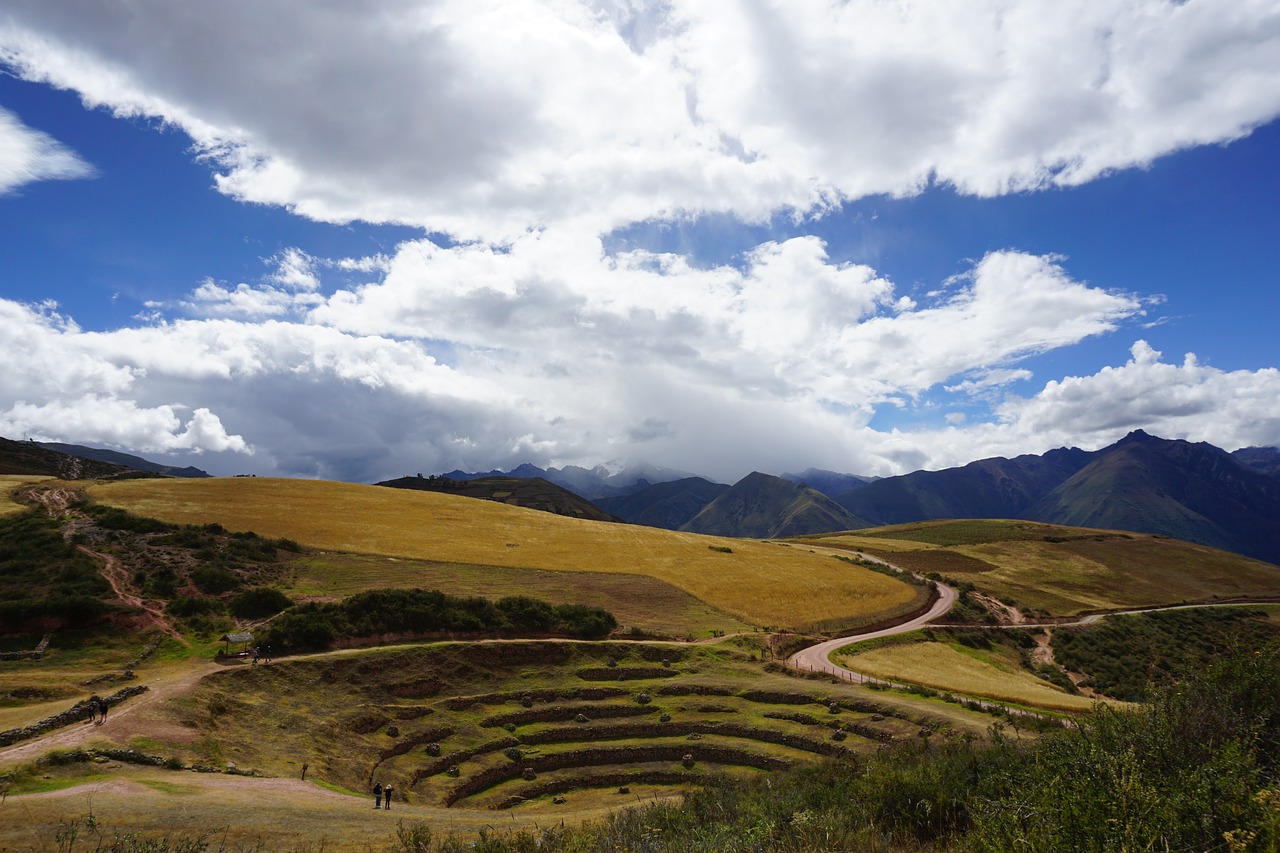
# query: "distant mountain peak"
763,506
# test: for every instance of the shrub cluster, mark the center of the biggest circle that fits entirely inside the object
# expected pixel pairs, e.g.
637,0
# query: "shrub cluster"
46,582
418,611
1125,657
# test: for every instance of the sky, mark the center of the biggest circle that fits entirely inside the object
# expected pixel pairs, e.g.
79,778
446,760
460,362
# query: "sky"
353,240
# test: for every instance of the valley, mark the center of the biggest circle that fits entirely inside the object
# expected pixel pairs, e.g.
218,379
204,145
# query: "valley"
703,682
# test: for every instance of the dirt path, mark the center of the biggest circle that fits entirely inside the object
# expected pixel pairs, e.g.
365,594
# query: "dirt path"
122,722
117,576
815,658
54,499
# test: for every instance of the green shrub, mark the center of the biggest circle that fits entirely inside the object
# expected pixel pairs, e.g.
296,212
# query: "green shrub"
587,623
259,603
184,608
214,580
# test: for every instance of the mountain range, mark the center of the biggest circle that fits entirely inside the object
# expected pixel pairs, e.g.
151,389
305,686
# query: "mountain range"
602,481
1185,490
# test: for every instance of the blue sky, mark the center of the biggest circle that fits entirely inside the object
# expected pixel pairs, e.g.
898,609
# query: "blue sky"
867,238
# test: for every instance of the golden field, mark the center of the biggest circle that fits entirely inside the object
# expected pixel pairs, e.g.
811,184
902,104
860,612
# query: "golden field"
9,483
974,673
760,583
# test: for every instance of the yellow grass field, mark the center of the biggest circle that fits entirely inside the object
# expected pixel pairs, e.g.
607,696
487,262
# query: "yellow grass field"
760,583
942,667
9,483
1066,570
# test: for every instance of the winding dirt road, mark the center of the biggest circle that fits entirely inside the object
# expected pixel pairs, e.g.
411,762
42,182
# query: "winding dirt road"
815,658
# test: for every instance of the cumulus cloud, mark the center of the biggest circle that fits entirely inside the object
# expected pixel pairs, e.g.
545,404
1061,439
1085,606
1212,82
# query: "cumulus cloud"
1187,400
27,156
469,356
521,133
482,119
121,423
1190,400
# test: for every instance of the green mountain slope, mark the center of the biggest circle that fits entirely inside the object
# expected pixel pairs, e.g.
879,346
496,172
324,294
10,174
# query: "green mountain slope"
666,505
761,506
1195,492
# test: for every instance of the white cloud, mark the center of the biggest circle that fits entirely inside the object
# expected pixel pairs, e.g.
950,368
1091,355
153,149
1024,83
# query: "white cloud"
1189,400
27,156
470,356
527,130
99,420
481,118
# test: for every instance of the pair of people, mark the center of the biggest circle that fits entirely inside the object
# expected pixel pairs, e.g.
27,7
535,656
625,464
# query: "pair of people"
98,709
381,793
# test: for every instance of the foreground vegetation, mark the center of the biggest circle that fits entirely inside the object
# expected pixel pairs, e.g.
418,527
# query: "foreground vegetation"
1198,768
1126,657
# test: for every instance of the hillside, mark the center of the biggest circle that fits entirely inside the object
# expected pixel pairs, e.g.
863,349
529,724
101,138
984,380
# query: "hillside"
1141,483
530,493
760,506
741,578
1063,571
28,457
987,488
137,463
667,505
1189,491
1264,460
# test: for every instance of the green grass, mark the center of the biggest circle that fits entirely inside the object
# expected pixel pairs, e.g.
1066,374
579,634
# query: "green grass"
1127,657
337,789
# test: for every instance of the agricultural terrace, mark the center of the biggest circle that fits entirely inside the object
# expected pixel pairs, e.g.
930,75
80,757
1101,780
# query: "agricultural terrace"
1064,571
760,583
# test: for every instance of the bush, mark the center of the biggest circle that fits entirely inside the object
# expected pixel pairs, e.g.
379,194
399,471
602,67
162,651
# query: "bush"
587,623
185,608
418,611
259,603
214,580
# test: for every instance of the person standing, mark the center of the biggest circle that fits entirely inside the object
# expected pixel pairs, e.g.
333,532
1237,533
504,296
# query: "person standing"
377,795
102,711
386,795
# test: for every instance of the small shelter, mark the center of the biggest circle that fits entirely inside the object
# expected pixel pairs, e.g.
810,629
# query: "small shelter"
236,645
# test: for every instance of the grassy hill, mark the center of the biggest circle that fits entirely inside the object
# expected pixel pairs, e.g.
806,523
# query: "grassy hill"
757,582
1065,570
